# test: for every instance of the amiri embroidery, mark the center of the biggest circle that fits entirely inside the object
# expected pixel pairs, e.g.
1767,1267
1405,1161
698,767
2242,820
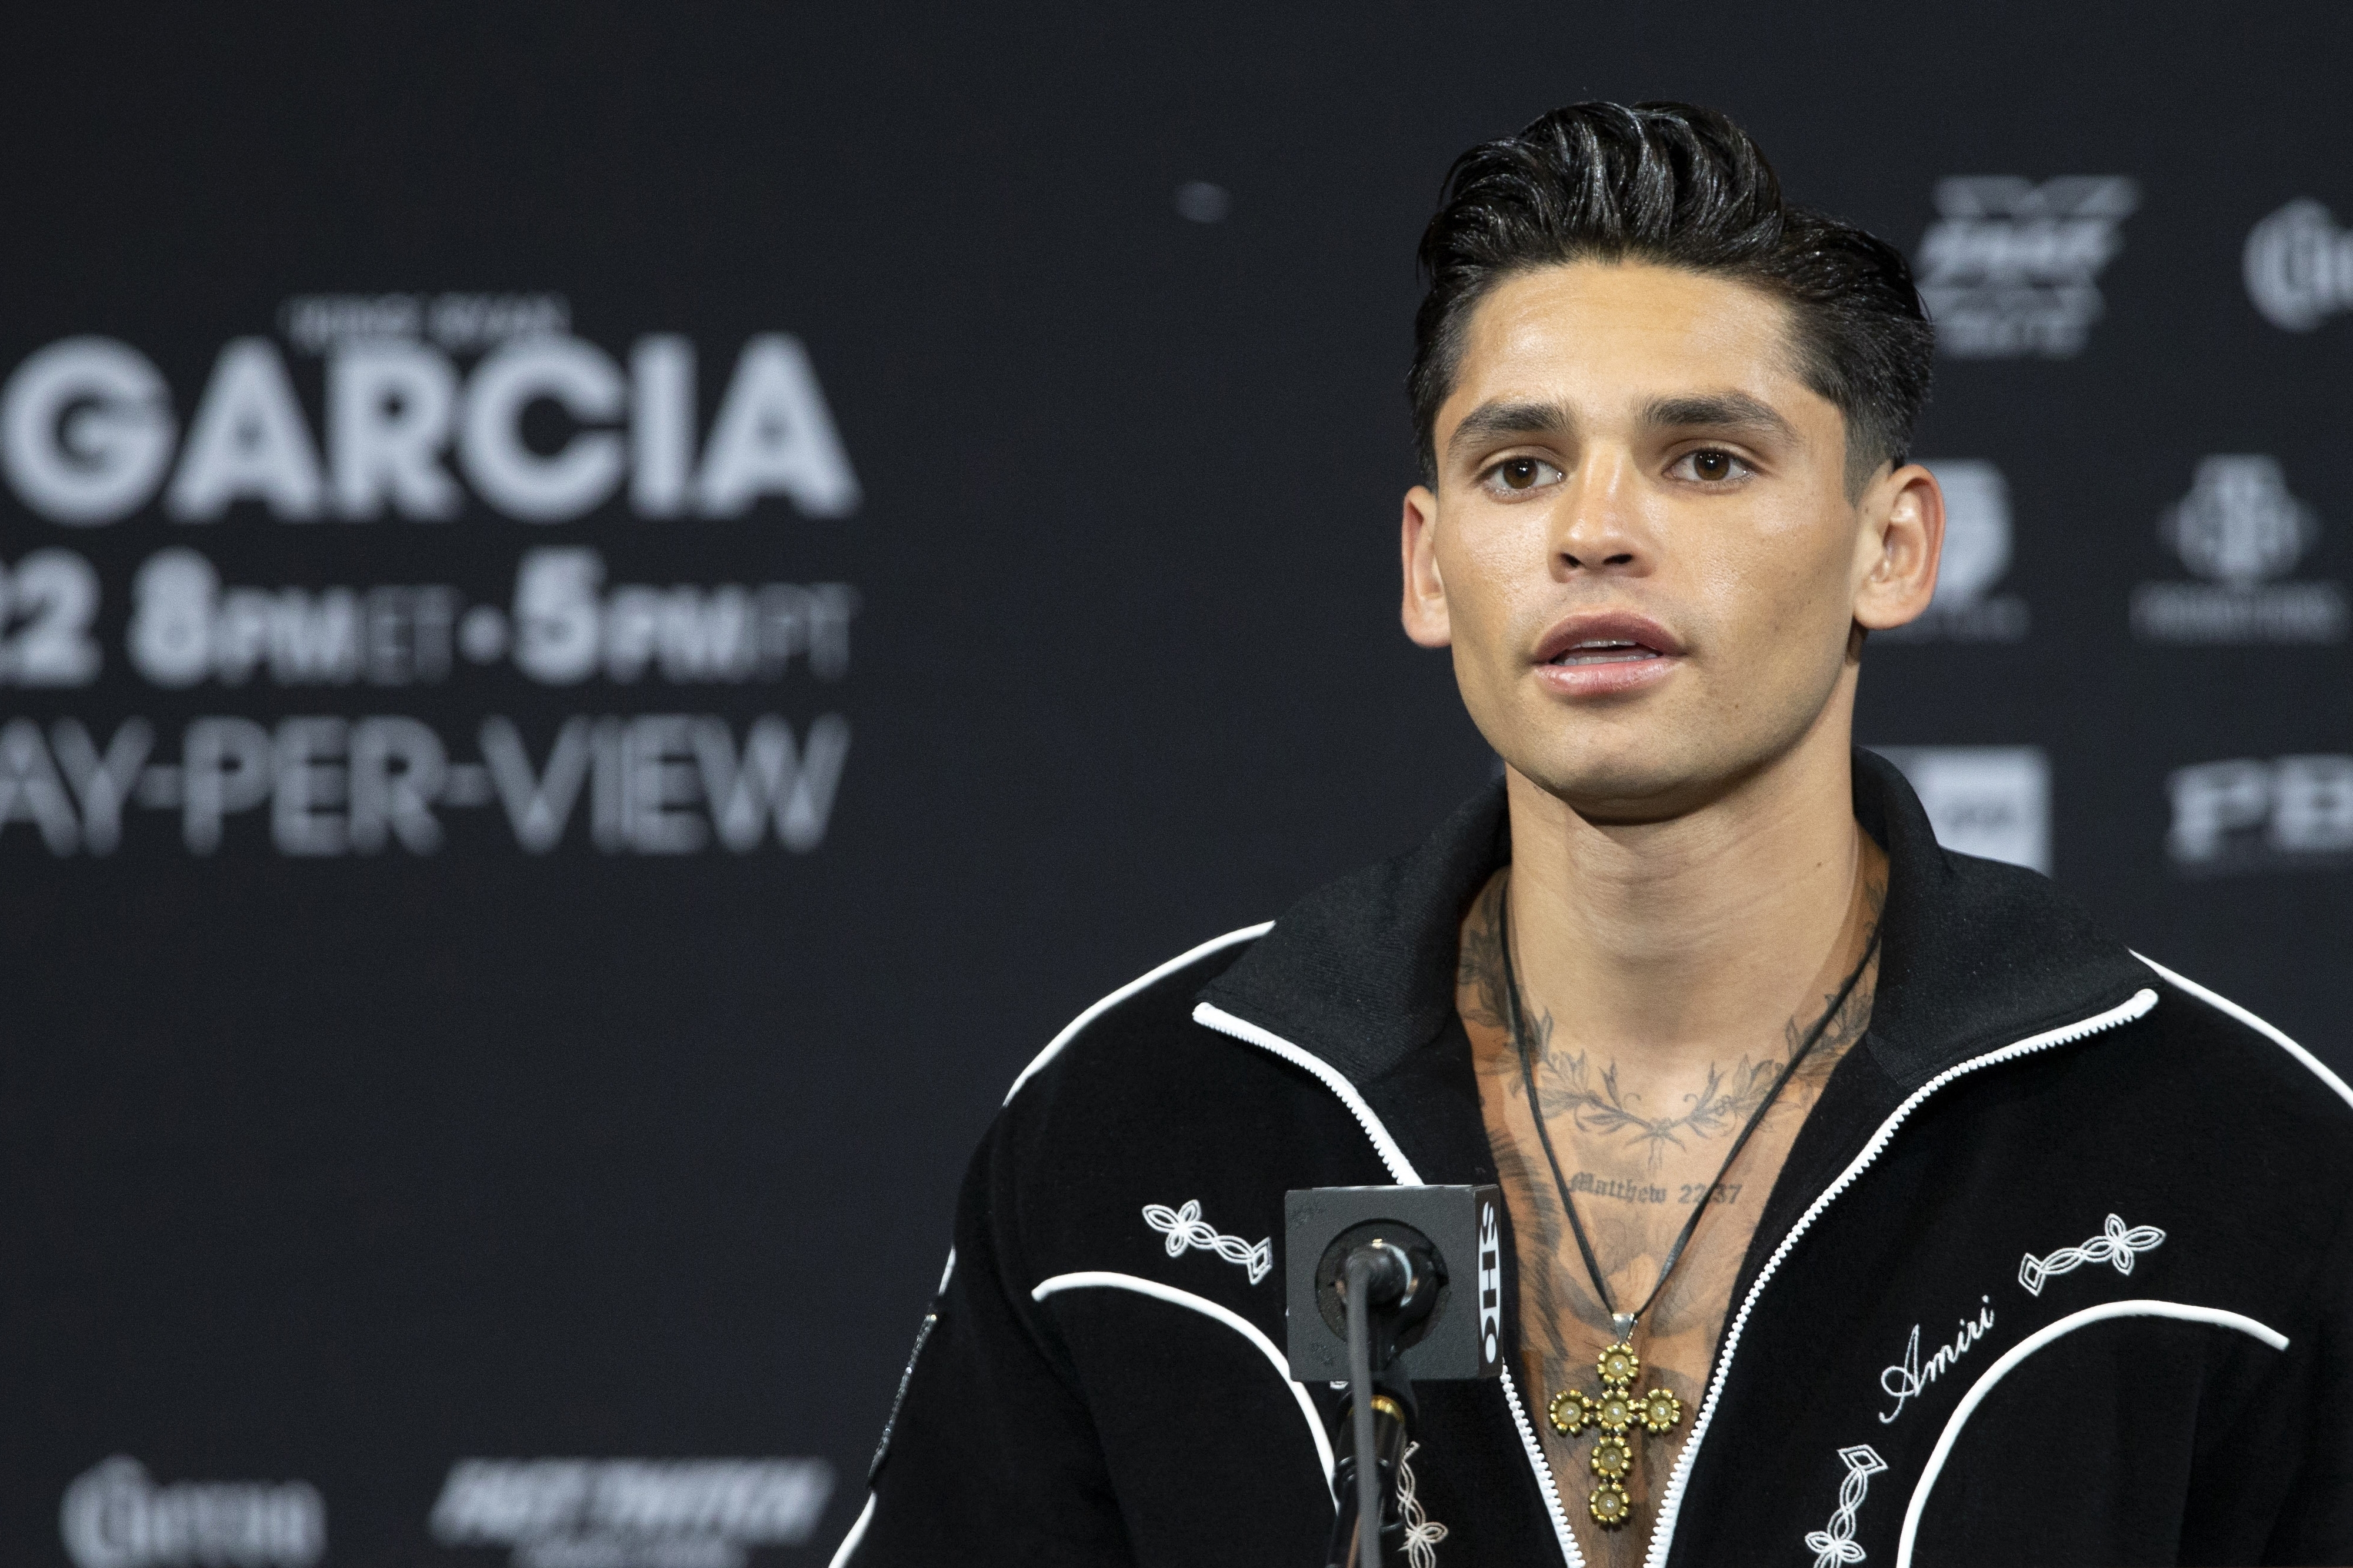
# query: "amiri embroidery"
1908,1379
1836,1545
1185,1228
2115,1244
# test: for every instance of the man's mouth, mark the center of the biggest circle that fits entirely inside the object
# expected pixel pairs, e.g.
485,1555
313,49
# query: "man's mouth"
1606,654
1603,650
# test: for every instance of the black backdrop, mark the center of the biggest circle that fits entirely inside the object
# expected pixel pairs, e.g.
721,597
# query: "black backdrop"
369,1140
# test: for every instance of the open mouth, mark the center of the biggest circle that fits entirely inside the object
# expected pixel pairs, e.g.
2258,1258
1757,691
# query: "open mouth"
1604,650
1606,654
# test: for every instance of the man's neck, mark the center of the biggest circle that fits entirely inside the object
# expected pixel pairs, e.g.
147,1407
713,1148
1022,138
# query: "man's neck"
1667,944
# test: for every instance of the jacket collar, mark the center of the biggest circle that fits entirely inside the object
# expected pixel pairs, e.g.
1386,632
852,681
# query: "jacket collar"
1973,954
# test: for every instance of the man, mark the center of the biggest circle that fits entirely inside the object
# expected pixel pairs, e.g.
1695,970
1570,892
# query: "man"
1864,1199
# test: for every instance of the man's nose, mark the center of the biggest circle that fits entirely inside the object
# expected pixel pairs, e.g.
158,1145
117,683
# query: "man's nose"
1597,524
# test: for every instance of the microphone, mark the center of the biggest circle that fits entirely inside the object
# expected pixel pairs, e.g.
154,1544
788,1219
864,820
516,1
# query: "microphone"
1378,1307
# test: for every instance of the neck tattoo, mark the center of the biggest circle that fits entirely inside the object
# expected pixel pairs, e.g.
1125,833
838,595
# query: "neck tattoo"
1614,1411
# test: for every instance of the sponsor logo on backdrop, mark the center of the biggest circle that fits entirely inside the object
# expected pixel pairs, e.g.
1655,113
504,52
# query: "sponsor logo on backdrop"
423,408
2299,267
631,1513
1977,554
2240,528
116,1516
1992,801
2010,267
2247,815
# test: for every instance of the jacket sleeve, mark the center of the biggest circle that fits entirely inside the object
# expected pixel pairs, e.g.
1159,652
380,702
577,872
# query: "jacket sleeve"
2316,1523
989,1455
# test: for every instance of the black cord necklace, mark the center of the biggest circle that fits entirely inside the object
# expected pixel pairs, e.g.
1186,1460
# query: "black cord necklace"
1617,1409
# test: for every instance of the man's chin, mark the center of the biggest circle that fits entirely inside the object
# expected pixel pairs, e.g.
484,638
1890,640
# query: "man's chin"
1629,790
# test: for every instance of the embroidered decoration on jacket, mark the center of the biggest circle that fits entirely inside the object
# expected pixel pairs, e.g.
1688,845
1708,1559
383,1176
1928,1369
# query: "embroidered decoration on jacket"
1909,1378
2115,1244
1422,1533
1613,1415
1186,1228
1836,1545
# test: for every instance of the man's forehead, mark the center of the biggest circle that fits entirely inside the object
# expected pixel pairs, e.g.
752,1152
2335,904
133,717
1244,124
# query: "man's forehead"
1614,340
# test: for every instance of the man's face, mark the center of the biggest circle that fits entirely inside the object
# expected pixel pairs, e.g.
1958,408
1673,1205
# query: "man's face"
1640,547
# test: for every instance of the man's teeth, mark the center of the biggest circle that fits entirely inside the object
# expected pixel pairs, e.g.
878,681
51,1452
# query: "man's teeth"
1604,650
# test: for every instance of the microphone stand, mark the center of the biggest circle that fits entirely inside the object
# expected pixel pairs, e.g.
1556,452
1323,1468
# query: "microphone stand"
1388,1289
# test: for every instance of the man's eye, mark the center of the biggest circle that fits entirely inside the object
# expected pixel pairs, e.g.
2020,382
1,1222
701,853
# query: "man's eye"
1523,474
1710,466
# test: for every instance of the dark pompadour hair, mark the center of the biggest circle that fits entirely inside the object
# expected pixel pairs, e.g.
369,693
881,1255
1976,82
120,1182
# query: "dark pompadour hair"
1685,187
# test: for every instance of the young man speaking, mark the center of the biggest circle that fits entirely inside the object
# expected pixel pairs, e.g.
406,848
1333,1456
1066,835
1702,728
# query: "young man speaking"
1867,1202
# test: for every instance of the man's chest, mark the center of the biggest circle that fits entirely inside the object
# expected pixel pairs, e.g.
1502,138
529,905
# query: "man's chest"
1627,1213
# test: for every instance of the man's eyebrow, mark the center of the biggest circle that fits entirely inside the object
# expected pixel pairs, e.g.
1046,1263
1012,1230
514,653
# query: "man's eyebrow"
1489,420
1717,411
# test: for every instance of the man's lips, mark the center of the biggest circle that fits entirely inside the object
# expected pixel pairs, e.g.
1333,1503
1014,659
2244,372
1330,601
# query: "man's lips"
1603,653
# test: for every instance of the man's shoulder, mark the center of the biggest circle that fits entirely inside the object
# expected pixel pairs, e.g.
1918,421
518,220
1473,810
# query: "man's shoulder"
1138,1103
1123,1033
2197,1096
2226,1055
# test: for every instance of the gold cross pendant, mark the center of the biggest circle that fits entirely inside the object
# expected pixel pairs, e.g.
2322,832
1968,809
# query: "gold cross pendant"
1613,1414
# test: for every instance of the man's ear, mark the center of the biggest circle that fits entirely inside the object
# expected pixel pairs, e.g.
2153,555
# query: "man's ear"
1896,553
1424,612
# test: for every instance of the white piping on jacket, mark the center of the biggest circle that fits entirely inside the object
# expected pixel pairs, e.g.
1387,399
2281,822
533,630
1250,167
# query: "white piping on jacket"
1402,1169
1037,1065
2214,1316
856,1533
2319,1068
1108,1279
1662,1534
1210,1016
1069,1030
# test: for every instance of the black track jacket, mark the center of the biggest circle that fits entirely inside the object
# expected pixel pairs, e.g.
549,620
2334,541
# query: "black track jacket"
2058,1269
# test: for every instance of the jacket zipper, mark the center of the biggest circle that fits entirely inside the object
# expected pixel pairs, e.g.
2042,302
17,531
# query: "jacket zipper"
1662,1535
1401,1170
